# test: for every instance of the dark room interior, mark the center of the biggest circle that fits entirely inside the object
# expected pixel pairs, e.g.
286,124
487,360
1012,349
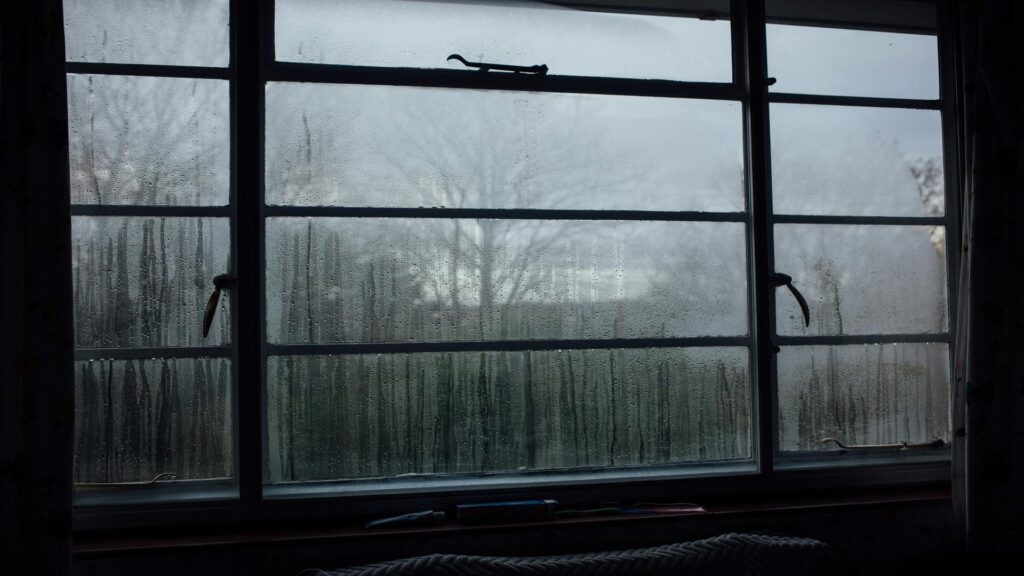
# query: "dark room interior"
419,287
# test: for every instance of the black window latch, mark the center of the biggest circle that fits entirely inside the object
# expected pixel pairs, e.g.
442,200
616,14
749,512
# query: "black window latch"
540,69
777,279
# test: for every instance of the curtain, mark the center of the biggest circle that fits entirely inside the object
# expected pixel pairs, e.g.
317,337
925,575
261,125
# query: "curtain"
989,367
36,386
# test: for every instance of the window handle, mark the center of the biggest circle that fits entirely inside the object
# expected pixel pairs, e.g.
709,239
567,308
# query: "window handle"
936,443
777,279
159,478
540,69
219,283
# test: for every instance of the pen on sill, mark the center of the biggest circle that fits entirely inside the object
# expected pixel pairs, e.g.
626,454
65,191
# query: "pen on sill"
424,518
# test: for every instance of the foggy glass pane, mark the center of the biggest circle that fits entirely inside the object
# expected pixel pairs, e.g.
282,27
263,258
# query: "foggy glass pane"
368,416
135,419
863,394
148,141
862,279
521,32
142,281
845,160
174,32
840,62
355,145
402,280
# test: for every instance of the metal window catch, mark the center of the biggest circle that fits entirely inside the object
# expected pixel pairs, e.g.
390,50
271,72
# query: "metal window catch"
159,478
220,282
937,443
778,279
540,69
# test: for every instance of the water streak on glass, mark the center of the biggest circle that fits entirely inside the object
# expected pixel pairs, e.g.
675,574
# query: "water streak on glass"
570,41
401,280
863,279
392,146
143,281
839,62
148,141
865,394
348,417
172,32
845,160
135,419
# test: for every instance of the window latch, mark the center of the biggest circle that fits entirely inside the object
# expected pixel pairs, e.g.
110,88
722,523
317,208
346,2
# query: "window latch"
777,279
159,478
540,69
220,282
936,443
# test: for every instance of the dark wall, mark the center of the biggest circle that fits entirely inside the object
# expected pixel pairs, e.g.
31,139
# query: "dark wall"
894,538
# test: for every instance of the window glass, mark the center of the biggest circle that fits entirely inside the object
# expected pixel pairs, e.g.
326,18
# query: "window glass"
144,281
148,141
846,160
398,280
388,415
136,419
351,145
570,41
844,62
863,279
863,395
177,32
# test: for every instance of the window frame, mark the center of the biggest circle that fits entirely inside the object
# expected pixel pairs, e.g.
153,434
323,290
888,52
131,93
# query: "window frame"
252,65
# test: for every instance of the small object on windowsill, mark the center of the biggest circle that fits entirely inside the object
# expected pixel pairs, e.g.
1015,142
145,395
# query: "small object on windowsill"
901,446
424,518
539,69
503,512
639,508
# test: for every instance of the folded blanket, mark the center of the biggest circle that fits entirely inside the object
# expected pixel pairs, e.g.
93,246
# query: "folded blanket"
732,554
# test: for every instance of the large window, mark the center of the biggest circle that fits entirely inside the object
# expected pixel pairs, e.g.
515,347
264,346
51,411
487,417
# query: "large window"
315,255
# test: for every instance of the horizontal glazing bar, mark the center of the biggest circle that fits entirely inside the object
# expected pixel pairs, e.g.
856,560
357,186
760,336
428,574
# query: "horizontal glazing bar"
146,70
501,213
154,352
860,339
506,345
866,220
789,98
152,211
338,74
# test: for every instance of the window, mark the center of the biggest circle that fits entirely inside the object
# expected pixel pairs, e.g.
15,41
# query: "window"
434,277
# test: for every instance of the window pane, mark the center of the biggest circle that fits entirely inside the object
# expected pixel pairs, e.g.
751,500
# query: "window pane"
864,394
862,279
135,419
842,62
570,41
144,281
844,160
404,146
177,32
401,280
346,417
144,140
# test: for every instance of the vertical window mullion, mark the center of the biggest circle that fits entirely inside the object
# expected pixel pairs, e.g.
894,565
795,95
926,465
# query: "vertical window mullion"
750,16
246,122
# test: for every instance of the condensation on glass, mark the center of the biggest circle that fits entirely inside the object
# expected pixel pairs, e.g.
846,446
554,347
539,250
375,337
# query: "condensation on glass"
136,419
421,280
863,279
862,395
847,160
388,415
570,41
172,32
148,141
843,62
144,281
390,146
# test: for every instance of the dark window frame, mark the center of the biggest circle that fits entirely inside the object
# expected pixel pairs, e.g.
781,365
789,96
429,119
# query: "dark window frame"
252,65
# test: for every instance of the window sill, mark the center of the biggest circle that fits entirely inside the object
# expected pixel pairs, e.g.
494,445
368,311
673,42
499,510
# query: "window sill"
118,543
